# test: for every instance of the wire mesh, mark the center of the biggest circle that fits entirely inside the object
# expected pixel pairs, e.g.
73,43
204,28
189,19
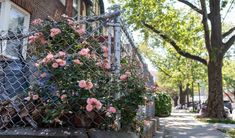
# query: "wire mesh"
67,73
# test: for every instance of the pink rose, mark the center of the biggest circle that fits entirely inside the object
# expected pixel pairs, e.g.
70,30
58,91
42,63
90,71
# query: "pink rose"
55,65
112,110
105,49
123,77
49,56
91,101
42,40
35,97
89,85
84,52
82,83
37,21
77,61
32,39
98,105
54,32
94,103
59,60
62,54
89,107
62,63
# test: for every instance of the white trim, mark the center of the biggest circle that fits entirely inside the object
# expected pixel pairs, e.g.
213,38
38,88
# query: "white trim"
4,26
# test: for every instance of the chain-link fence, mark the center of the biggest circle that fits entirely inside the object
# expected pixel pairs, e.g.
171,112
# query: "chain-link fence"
85,73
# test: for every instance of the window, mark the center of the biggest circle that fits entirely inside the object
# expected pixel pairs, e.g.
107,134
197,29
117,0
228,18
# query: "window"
14,21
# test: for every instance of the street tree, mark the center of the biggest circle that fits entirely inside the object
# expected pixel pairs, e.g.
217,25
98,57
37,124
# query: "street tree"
161,17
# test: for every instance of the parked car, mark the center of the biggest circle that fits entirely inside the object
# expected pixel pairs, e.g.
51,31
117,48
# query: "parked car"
204,106
228,104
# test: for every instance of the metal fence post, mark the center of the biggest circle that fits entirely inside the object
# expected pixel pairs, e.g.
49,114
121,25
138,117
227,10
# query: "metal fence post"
117,45
117,53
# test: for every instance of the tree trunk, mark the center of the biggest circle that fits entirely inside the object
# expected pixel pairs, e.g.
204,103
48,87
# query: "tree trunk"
182,96
187,91
215,105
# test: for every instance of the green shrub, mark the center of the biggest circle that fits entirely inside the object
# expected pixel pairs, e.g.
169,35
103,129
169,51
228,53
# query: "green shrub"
162,105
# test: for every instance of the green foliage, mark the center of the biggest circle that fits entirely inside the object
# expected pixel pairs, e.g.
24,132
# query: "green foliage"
163,104
133,91
71,71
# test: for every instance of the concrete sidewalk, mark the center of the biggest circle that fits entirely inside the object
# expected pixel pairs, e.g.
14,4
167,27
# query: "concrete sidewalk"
184,125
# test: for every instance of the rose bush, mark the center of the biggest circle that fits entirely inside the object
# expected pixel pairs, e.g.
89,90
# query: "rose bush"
75,85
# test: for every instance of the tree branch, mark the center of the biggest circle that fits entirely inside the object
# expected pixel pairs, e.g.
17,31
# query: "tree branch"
205,25
228,32
191,6
167,74
228,44
174,44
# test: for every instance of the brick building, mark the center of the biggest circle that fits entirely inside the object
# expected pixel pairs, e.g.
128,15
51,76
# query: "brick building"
15,17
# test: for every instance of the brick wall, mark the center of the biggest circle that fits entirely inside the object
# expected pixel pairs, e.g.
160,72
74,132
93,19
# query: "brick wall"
42,8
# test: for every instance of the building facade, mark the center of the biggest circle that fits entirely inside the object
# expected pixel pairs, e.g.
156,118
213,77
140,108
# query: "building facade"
15,18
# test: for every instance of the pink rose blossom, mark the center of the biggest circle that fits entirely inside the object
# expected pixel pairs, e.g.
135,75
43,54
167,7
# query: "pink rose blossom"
105,49
37,21
89,107
89,85
35,97
40,36
54,32
84,52
112,110
77,61
55,65
82,83
42,40
32,39
94,103
49,57
91,101
59,60
62,63
62,54
98,105
123,77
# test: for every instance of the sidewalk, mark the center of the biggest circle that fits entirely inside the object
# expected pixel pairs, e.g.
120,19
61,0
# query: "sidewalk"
184,125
